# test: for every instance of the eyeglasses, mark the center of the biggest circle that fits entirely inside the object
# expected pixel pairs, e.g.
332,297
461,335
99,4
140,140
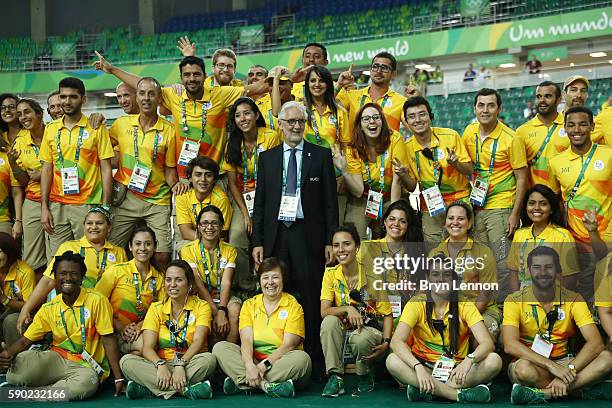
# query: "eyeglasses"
420,115
223,67
8,108
367,119
381,67
210,224
293,122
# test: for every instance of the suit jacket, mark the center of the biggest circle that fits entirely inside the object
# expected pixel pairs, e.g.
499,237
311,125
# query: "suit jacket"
318,198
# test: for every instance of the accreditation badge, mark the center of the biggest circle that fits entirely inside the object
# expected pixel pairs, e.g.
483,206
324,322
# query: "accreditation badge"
189,151
442,369
288,207
479,192
374,205
542,346
70,180
140,178
249,200
434,201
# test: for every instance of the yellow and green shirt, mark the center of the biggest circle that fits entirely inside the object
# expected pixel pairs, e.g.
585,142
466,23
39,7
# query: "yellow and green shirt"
603,282
156,151
269,331
264,104
196,313
603,127
392,104
96,262
328,129
453,185
95,146
28,161
92,308
188,207
122,284
7,180
533,134
19,282
593,192
427,342
297,90
509,156
210,264
520,310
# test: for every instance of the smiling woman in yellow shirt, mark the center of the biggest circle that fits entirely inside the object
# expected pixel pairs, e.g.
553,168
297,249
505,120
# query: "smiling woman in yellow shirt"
174,358
131,288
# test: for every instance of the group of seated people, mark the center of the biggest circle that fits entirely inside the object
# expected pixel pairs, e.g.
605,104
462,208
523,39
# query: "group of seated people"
272,238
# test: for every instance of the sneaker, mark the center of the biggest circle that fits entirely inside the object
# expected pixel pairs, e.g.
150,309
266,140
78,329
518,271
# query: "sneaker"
334,386
601,391
526,395
414,394
479,394
201,390
366,383
283,389
230,387
133,390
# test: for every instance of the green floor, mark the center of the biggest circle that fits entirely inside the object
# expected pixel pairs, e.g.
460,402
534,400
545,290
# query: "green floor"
386,394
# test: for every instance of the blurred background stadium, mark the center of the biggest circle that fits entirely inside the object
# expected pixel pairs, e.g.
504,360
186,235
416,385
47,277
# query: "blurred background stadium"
42,41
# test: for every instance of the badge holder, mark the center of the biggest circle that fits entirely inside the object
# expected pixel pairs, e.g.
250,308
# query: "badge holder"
189,151
140,178
443,368
374,205
70,180
288,207
93,363
433,199
479,192
249,200
541,346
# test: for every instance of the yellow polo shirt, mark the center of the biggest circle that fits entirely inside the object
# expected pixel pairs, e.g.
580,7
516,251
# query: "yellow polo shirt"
355,165
453,185
603,127
593,192
212,142
392,104
509,156
297,91
196,313
264,104
28,161
90,306
266,140
188,207
427,343
532,134
118,284
268,331
553,236
330,129
156,151
209,83
95,146
209,266
19,282
519,312
95,261
603,282
7,180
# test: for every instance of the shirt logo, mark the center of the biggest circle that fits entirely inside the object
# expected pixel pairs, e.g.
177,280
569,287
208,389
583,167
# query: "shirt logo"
562,132
112,258
86,313
85,135
440,154
560,314
283,314
191,318
2,162
565,169
598,165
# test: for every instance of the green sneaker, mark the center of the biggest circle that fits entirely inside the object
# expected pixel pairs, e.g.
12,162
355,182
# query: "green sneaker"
479,394
414,394
201,390
366,383
230,387
522,395
283,389
601,391
334,386
133,390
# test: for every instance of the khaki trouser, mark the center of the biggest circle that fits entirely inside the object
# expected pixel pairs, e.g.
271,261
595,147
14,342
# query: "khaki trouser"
7,227
294,365
134,208
9,328
361,343
342,203
433,229
490,229
33,368
35,243
355,213
238,238
138,369
68,221
585,285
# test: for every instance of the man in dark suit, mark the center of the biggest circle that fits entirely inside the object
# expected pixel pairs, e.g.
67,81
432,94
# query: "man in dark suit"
296,210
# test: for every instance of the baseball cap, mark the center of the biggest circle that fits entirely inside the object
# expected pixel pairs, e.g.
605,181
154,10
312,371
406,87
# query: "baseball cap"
575,78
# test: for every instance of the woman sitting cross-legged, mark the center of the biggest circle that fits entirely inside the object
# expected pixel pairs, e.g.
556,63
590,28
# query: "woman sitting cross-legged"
437,363
271,332
174,343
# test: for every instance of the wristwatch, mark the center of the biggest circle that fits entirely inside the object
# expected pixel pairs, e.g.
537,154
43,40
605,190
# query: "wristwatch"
572,368
267,364
471,356
387,340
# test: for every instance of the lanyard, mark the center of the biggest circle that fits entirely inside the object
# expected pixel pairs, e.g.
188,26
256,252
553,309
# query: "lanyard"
155,145
271,119
382,105
493,151
382,172
60,156
543,146
13,288
138,288
343,294
551,317
101,267
83,340
315,126
299,171
436,165
205,106
245,165
440,328
182,337
522,254
581,175
207,272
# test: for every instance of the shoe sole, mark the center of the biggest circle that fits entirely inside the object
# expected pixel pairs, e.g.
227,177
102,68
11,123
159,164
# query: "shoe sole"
334,395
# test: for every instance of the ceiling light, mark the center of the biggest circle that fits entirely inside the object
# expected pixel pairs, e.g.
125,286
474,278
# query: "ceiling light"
366,73
110,94
557,59
599,54
422,66
610,61
571,64
507,65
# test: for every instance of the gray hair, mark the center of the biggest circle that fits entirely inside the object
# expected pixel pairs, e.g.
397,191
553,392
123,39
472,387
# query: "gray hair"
292,105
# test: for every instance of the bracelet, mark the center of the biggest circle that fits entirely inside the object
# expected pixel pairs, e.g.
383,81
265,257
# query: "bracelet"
6,301
17,220
414,366
224,308
119,380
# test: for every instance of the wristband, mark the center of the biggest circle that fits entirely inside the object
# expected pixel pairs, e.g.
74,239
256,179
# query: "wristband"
17,220
267,364
118,380
224,308
160,363
387,340
6,300
414,366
